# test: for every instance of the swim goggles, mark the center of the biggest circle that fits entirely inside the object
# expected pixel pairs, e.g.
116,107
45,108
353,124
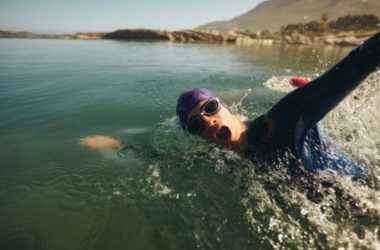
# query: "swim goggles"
195,125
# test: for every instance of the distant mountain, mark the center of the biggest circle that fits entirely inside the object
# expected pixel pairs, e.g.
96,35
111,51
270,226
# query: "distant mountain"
26,34
14,34
272,14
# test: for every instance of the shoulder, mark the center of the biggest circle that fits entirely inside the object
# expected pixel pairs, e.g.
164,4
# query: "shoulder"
260,131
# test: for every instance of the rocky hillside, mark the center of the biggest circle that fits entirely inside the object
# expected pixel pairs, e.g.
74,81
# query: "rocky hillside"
14,34
174,36
272,14
185,36
26,34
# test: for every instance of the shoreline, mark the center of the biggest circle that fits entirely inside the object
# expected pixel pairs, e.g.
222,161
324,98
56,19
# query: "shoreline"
204,36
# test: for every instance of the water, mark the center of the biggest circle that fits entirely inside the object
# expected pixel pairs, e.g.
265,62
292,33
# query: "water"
166,190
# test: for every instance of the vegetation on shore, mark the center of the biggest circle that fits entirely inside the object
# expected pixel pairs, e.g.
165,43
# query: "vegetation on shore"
350,23
348,30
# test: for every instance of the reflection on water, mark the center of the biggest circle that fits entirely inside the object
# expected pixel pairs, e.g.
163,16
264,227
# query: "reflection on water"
164,189
291,59
22,240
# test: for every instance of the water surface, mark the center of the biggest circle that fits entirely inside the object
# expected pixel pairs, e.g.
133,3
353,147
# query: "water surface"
165,190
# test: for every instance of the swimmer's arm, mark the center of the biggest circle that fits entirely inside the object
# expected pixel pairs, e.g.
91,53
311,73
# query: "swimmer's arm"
314,100
106,143
100,142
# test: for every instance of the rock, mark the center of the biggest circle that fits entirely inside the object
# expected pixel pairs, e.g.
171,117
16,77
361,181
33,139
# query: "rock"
349,41
13,34
287,39
203,36
329,41
253,41
175,36
89,35
297,38
341,40
137,34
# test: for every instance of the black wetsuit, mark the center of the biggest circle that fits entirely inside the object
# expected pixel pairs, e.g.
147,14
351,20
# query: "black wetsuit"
292,123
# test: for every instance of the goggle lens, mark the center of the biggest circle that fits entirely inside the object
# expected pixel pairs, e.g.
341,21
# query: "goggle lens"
195,124
211,107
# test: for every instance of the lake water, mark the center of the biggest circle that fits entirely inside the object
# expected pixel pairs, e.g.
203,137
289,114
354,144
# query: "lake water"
165,190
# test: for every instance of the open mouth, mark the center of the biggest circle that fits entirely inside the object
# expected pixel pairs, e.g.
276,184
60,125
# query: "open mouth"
224,133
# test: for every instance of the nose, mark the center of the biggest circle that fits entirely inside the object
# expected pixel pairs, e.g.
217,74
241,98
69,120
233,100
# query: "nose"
209,121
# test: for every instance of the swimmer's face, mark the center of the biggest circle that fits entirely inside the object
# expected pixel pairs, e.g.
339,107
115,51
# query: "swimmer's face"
218,126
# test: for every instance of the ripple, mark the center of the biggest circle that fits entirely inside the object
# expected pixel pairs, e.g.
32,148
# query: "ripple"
23,239
14,194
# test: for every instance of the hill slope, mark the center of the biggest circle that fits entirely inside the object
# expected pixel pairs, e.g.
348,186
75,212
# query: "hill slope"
272,14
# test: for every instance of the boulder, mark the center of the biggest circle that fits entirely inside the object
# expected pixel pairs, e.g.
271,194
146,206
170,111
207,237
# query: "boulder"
175,36
137,34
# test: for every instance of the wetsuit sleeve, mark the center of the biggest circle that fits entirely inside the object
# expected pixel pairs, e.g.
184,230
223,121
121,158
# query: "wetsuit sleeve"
304,107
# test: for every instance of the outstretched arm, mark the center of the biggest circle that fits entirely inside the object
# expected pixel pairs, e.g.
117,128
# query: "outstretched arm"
305,106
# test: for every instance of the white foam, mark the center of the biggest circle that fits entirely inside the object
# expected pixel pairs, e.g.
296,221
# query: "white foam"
135,130
279,83
355,123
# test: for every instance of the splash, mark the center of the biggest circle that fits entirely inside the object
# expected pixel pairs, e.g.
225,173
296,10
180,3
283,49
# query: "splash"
155,187
285,210
279,83
354,123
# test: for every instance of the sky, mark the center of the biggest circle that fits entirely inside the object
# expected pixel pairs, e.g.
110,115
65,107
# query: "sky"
70,16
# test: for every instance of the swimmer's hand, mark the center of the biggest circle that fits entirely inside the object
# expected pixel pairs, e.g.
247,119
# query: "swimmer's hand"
100,142
299,81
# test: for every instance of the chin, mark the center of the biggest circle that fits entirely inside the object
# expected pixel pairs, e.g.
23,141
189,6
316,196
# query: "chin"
234,144
230,143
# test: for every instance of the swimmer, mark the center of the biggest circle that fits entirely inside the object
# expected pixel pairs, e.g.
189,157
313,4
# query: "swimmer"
292,123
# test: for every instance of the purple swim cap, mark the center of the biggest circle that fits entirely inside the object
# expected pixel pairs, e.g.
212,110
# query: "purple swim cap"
188,100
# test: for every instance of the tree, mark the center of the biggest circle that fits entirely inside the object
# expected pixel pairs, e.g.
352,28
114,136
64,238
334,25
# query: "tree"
325,17
355,23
